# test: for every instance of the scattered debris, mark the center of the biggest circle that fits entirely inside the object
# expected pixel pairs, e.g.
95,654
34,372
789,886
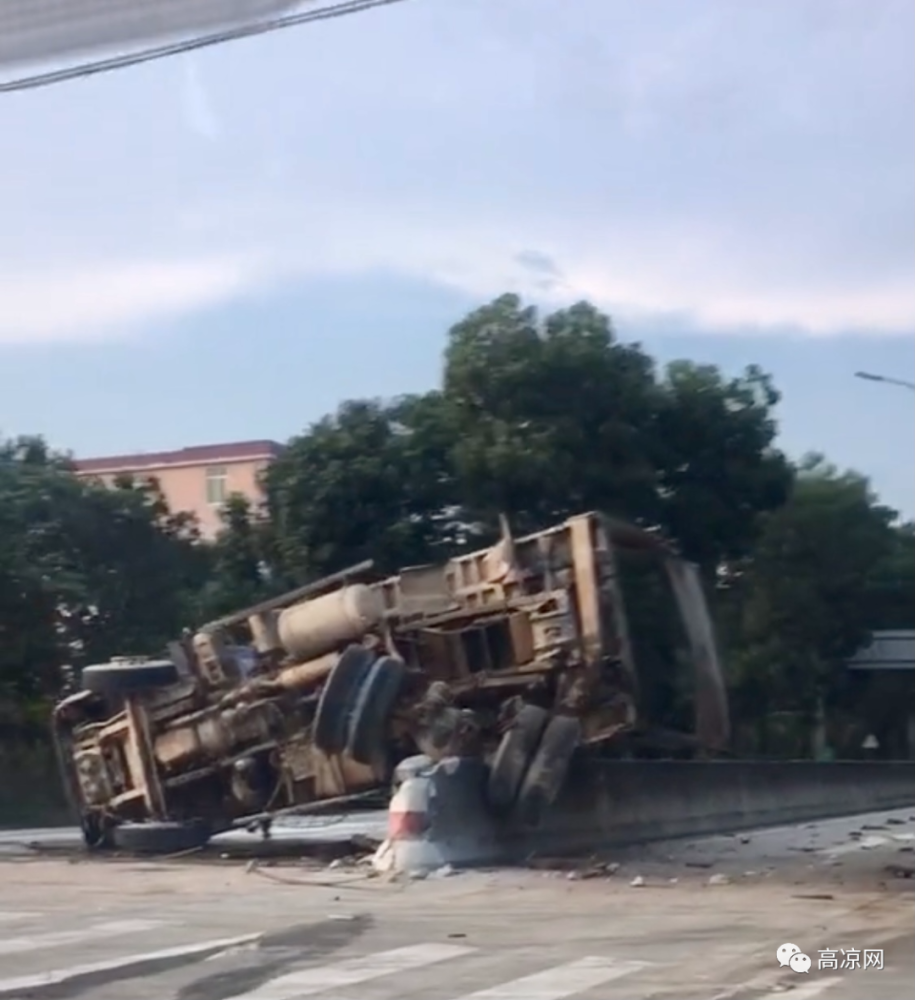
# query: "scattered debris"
719,879
813,895
895,821
445,871
699,864
900,871
637,882
384,860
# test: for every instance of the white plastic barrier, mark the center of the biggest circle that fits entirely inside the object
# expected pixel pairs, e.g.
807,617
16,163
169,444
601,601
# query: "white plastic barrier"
436,817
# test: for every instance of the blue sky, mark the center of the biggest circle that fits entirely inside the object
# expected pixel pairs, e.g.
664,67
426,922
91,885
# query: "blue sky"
225,245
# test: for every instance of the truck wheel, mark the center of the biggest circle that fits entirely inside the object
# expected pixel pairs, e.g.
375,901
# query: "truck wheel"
118,679
373,707
513,757
338,699
548,770
161,837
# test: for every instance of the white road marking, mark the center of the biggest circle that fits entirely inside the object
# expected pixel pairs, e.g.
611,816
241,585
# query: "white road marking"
561,980
349,972
806,990
112,928
864,844
11,916
22,984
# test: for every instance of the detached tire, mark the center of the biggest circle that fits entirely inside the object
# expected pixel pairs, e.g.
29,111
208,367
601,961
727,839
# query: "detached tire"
513,757
160,837
119,679
548,770
368,725
338,699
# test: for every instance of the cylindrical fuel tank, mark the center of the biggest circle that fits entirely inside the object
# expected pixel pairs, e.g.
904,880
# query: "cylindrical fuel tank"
308,674
313,628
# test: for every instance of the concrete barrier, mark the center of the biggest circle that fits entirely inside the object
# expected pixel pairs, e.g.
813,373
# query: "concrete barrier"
610,803
614,803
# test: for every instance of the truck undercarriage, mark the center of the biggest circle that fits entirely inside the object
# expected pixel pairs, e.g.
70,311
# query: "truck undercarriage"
518,652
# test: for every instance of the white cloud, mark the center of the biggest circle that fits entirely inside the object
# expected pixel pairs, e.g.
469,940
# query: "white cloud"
740,165
109,298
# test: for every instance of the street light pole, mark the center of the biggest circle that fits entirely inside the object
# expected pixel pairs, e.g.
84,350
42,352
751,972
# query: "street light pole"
870,377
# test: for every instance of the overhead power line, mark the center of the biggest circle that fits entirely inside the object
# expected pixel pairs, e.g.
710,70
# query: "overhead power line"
95,67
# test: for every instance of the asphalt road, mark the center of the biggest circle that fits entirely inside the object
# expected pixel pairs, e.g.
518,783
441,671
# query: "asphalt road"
692,920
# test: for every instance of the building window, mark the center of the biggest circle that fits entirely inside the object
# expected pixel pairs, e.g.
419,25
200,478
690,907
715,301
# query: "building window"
217,482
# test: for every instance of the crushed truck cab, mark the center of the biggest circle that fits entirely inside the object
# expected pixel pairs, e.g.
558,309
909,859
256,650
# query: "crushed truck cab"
517,653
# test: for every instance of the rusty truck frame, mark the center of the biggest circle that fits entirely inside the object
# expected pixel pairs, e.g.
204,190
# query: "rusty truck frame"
518,652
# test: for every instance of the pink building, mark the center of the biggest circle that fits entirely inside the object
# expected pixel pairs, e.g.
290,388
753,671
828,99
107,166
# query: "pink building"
194,480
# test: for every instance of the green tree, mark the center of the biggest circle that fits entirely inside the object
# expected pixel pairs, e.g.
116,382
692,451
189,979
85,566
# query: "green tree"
367,482
718,468
537,417
548,417
86,572
239,562
891,590
804,601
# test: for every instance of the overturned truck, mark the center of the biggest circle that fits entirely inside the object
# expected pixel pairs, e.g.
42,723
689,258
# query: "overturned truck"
519,653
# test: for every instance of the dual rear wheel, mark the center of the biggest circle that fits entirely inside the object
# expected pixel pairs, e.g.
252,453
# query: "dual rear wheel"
531,763
356,703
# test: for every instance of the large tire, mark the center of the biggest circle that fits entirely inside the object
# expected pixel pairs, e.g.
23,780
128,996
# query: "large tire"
161,837
120,679
338,699
513,757
369,722
547,773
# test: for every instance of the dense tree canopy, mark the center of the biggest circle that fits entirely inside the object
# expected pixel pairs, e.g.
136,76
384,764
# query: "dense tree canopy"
537,417
85,571
828,568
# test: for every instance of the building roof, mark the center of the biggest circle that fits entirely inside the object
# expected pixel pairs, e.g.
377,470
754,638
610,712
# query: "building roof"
887,650
207,454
